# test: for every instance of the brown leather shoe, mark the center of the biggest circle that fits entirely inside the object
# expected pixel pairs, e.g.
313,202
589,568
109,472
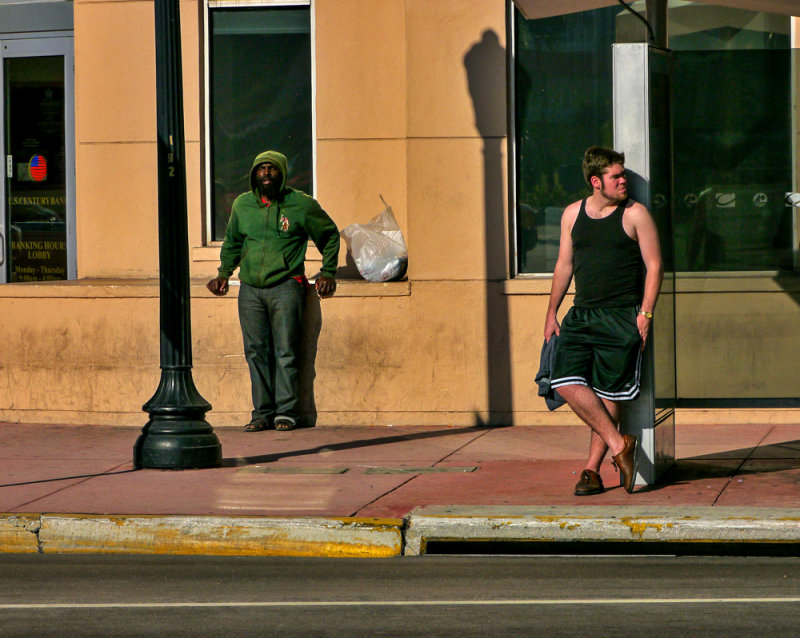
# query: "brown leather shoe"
625,462
590,483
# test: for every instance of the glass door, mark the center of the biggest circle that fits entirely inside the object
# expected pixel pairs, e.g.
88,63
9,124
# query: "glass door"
38,216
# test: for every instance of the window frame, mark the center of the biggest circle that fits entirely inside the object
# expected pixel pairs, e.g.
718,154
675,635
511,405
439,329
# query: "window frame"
32,44
511,140
207,163
513,165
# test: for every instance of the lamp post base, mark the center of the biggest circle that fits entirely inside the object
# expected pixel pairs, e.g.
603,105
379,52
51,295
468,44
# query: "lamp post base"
177,445
177,436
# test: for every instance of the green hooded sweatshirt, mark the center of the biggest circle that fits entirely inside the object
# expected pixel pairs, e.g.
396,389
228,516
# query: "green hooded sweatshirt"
268,243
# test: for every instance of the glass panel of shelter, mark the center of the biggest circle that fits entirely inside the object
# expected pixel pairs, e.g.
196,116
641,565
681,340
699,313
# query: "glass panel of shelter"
732,126
734,75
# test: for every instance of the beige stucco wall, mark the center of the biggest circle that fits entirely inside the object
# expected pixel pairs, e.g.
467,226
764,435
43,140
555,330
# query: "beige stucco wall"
115,130
737,337
397,83
411,104
361,108
427,352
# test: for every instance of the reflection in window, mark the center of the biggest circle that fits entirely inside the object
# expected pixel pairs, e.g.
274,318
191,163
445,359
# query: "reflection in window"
732,140
36,169
732,130
563,106
260,87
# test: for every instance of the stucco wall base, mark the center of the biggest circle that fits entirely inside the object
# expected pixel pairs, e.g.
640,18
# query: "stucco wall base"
715,416
740,416
442,353
431,353
323,419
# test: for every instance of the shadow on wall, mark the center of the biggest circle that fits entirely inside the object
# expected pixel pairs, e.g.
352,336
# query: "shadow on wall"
485,65
312,326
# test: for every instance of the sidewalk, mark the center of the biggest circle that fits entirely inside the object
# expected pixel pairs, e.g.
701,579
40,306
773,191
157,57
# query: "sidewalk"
385,491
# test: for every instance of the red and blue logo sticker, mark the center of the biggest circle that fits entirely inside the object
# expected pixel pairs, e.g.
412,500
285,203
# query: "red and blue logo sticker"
37,168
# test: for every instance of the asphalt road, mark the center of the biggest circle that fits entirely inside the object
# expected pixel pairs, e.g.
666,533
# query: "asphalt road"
75,596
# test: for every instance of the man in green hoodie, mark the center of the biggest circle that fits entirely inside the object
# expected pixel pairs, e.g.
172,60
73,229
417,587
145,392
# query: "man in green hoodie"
266,238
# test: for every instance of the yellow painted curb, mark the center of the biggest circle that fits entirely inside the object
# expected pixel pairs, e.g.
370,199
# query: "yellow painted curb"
18,533
221,536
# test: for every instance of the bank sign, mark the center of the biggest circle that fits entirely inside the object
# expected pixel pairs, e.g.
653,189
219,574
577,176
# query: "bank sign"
38,234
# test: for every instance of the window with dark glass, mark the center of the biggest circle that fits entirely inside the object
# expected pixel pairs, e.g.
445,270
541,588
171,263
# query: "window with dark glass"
36,179
732,129
563,105
260,99
731,121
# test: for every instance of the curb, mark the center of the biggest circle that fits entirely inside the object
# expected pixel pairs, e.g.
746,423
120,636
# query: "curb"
383,538
217,536
18,533
624,524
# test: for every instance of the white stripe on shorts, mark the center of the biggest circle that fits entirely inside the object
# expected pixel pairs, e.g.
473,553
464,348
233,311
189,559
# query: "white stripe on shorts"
627,395
557,383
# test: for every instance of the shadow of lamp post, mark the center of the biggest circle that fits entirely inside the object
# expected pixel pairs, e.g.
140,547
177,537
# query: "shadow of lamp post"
177,436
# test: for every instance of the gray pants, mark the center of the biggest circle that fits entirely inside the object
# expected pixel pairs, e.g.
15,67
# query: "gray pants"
272,326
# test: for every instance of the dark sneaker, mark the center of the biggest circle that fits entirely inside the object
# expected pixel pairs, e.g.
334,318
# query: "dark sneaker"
590,483
284,423
625,462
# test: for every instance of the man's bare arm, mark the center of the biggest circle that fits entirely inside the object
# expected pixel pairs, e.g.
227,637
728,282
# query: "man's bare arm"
562,274
650,247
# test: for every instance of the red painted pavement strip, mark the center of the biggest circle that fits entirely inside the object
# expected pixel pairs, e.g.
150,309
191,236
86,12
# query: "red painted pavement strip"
519,466
526,443
715,440
219,492
540,483
24,481
32,441
346,444
229,490
782,434
765,483
780,442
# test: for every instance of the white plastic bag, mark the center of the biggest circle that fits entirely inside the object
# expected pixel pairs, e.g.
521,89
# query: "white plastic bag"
378,248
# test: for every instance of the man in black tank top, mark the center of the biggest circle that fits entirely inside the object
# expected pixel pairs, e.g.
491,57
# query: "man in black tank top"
609,243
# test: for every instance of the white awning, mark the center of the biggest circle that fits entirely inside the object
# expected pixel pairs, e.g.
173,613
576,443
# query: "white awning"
693,17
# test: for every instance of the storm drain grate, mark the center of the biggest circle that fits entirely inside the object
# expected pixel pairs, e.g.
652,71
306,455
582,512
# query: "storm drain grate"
611,548
420,470
262,469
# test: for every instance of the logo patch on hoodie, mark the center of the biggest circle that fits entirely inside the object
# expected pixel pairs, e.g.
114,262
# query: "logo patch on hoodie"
284,224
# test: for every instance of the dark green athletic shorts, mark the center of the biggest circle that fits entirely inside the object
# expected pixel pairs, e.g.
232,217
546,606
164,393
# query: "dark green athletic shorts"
600,348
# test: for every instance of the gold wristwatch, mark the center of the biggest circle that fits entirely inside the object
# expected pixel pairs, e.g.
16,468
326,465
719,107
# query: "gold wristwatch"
649,315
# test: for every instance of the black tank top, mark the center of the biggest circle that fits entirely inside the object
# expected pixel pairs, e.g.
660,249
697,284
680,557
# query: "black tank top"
607,263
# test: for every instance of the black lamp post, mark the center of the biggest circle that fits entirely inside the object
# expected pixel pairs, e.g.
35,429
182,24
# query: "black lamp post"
177,436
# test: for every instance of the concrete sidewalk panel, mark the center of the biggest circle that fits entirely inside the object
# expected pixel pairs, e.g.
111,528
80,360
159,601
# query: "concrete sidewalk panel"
632,524
542,442
228,536
18,533
26,481
229,491
775,481
346,445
